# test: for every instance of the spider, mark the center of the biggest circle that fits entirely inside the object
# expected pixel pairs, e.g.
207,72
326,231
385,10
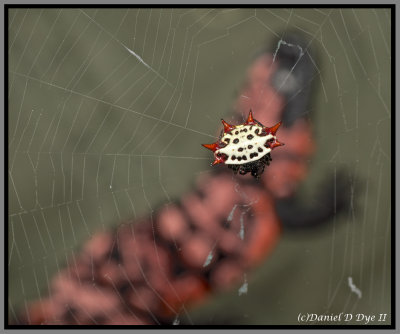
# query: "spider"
245,147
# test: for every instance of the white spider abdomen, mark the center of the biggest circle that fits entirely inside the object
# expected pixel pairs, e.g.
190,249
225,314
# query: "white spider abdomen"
245,147
245,144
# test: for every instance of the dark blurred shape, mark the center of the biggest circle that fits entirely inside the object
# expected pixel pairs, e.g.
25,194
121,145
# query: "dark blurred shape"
295,75
335,196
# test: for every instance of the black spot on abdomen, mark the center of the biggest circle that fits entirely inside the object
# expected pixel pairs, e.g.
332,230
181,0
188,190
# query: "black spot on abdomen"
252,155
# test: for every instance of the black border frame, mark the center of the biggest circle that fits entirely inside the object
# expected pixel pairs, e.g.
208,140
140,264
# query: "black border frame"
392,7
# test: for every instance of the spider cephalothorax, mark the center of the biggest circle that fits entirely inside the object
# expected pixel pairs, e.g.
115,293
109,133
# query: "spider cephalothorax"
245,147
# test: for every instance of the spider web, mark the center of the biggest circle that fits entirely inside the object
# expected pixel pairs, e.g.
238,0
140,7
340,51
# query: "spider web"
106,111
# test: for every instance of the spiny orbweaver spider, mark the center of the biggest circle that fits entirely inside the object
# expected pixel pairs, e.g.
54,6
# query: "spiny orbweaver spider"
245,147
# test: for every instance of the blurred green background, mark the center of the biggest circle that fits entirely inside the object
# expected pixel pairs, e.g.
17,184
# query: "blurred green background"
98,136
